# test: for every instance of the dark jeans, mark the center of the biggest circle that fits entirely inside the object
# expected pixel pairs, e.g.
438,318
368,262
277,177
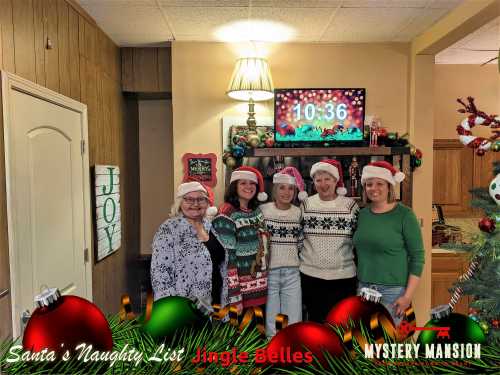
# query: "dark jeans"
319,296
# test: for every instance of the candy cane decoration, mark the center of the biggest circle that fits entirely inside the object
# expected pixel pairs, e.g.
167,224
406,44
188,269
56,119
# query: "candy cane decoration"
458,292
477,117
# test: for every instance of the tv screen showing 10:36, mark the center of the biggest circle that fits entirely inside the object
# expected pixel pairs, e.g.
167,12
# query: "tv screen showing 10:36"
310,112
319,114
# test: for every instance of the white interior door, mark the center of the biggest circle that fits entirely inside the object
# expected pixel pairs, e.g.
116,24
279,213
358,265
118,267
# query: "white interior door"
47,178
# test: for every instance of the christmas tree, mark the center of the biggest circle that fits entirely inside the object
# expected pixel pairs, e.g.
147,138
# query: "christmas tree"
483,276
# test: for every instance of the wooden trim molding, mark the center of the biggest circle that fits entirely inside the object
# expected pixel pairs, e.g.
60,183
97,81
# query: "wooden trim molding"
447,144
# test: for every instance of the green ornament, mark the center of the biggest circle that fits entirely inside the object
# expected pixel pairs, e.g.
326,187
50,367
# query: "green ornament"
484,326
170,314
393,136
462,330
495,147
253,140
418,162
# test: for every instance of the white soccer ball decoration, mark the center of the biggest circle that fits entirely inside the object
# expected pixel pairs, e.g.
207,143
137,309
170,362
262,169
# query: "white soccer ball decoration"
495,189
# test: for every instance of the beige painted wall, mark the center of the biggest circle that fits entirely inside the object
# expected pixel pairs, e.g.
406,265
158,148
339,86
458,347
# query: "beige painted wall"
459,81
156,170
201,73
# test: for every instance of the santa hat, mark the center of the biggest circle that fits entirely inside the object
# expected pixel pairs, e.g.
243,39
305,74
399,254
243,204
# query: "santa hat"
189,187
332,167
252,174
383,170
290,175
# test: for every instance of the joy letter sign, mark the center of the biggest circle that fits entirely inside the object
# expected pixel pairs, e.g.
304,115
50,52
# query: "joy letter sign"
107,208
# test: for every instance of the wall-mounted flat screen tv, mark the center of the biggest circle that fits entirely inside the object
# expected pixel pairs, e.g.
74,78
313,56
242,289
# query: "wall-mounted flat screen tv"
330,116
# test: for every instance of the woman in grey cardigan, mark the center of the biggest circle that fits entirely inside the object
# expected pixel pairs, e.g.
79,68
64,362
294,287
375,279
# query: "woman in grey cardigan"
187,259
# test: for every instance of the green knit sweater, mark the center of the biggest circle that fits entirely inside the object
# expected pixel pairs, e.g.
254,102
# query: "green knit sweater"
389,246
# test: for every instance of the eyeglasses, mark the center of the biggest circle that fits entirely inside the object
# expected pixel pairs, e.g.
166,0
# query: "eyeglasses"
191,201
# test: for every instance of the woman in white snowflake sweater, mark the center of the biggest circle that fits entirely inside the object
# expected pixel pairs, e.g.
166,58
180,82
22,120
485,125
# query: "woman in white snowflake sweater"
283,223
327,269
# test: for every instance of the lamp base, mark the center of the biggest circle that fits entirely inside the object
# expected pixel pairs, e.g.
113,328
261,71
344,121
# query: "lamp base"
251,122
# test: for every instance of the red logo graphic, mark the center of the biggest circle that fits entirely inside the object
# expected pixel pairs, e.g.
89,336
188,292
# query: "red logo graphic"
405,328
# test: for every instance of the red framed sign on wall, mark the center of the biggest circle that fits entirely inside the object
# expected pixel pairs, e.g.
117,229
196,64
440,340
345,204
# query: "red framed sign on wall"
200,167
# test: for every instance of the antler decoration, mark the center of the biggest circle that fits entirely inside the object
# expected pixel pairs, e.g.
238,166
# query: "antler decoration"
477,117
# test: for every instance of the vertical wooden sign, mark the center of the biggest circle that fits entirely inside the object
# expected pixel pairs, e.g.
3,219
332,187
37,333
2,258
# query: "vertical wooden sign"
107,209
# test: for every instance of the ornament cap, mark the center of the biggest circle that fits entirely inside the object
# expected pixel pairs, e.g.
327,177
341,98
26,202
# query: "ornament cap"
47,297
371,295
440,312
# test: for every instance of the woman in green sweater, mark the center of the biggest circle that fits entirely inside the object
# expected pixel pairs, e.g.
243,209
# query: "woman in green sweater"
388,240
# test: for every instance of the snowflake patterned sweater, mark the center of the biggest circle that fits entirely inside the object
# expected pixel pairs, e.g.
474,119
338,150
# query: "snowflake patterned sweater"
328,229
241,232
286,234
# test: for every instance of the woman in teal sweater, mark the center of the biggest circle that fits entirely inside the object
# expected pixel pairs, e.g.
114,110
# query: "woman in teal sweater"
388,240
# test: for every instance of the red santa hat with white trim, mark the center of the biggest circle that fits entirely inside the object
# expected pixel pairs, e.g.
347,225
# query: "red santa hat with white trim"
252,174
193,185
332,167
383,170
290,175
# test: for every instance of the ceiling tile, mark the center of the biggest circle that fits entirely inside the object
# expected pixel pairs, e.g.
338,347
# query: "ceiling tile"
133,19
444,4
204,3
385,3
303,3
457,56
366,25
85,3
202,21
308,23
421,20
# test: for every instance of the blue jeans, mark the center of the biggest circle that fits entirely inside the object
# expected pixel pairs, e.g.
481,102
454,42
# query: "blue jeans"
390,294
284,296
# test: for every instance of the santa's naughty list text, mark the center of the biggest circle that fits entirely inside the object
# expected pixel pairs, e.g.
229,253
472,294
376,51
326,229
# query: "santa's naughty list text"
86,353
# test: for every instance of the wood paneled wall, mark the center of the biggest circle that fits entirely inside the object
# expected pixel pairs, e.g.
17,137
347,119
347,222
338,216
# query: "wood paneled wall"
57,45
147,70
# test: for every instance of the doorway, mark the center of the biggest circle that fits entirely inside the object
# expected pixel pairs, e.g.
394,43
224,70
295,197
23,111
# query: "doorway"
48,193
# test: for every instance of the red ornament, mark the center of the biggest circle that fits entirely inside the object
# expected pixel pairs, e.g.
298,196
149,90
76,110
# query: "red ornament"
62,323
317,338
357,309
269,142
418,153
495,323
480,152
487,225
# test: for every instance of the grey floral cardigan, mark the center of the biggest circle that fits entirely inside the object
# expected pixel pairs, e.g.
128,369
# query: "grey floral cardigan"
181,263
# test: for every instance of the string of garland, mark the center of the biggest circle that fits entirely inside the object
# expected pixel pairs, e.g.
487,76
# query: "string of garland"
221,337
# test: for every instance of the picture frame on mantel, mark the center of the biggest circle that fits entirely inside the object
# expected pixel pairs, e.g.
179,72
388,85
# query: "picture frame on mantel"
107,223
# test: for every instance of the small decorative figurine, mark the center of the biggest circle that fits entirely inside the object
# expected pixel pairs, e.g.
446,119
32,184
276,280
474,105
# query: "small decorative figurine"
354,177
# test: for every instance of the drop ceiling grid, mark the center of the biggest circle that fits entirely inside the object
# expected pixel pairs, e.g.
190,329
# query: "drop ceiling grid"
133,20
366,24
200,22
140,22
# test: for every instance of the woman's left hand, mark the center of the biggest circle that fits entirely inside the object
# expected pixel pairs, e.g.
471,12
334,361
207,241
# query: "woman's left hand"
401,304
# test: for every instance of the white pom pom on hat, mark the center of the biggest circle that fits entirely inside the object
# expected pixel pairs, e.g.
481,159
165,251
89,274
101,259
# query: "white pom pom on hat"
383,170
332,167
252,174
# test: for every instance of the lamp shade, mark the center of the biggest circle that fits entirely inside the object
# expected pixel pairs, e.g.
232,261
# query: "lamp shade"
251,79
